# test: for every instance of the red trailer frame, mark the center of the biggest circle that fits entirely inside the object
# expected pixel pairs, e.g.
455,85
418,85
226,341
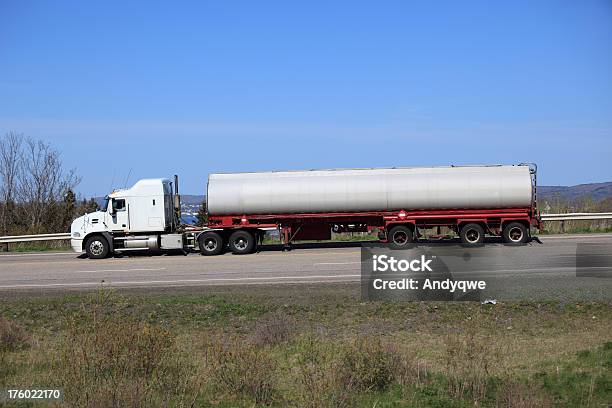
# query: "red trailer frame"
493,219
318,226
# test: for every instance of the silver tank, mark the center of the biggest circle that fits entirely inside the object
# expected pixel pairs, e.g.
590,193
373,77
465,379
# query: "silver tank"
316,191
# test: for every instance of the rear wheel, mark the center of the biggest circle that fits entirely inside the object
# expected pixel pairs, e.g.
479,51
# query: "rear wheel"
400,237
242,242
97,247
515,233
211,243
472,234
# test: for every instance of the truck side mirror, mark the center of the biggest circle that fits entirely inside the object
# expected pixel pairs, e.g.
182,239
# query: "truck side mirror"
111,206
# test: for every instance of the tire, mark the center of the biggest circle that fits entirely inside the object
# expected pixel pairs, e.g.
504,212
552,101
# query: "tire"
97,247
515,233
472,234
211,243
400,237
242,242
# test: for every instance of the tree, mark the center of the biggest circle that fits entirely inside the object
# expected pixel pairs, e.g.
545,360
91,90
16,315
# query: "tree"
43,183
89,206
10,161
34,186
202,215
68,209
86,206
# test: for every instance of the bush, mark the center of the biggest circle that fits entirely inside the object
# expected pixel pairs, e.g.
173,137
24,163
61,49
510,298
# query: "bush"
468,361
519,395
316,384
274,329
407,369
105,361
242,369
334,374
365,365
13,337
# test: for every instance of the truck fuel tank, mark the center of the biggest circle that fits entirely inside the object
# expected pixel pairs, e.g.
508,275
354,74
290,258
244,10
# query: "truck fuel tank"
144,242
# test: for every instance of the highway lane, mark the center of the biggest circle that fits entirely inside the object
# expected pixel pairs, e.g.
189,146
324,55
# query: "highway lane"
553,262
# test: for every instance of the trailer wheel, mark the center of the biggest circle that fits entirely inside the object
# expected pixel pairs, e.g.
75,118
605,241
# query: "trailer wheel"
472,234
400,237
242,242
96,247
211,243
515,233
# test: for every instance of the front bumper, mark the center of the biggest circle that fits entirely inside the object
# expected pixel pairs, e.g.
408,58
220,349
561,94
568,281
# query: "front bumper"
77,245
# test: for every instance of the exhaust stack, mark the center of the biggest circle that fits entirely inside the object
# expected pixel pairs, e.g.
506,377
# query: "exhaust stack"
177,199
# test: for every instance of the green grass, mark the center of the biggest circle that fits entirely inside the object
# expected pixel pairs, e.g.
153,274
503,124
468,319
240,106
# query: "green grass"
39,246
304,345
577,230
42,249
582,380
577,227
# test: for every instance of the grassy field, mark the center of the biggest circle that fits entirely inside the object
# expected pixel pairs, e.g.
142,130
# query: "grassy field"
301,345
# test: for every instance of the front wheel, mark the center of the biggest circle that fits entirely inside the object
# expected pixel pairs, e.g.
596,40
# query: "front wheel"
97,247
242,242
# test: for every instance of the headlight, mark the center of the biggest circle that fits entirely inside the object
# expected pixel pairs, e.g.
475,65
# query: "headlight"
76,235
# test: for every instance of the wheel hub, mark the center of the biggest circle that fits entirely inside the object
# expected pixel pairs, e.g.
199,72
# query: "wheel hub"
472,236
515,234
210,244
96,248
240,244
400,237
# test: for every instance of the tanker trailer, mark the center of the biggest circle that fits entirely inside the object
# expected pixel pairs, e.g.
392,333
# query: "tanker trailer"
305,205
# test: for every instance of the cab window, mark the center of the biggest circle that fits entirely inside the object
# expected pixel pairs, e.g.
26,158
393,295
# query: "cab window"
119,205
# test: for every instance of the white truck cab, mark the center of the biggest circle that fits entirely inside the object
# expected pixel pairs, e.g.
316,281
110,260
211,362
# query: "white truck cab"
145,216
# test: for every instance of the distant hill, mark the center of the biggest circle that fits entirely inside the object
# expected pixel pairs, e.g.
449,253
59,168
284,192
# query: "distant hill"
597,191
190,199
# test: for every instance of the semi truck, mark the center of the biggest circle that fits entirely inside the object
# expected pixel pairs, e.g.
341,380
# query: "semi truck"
397,203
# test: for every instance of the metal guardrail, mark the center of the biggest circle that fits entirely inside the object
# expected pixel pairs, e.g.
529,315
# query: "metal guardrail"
576,216
545,217
30,238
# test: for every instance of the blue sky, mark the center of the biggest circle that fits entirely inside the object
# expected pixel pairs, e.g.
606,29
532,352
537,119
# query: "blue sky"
160,88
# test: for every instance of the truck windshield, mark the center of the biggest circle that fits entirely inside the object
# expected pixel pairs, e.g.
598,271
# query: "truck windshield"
104,204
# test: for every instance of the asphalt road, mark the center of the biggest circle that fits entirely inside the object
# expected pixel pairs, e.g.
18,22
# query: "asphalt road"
551,264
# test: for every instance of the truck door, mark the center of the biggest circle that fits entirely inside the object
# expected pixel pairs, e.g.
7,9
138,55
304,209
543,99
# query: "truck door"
119,217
